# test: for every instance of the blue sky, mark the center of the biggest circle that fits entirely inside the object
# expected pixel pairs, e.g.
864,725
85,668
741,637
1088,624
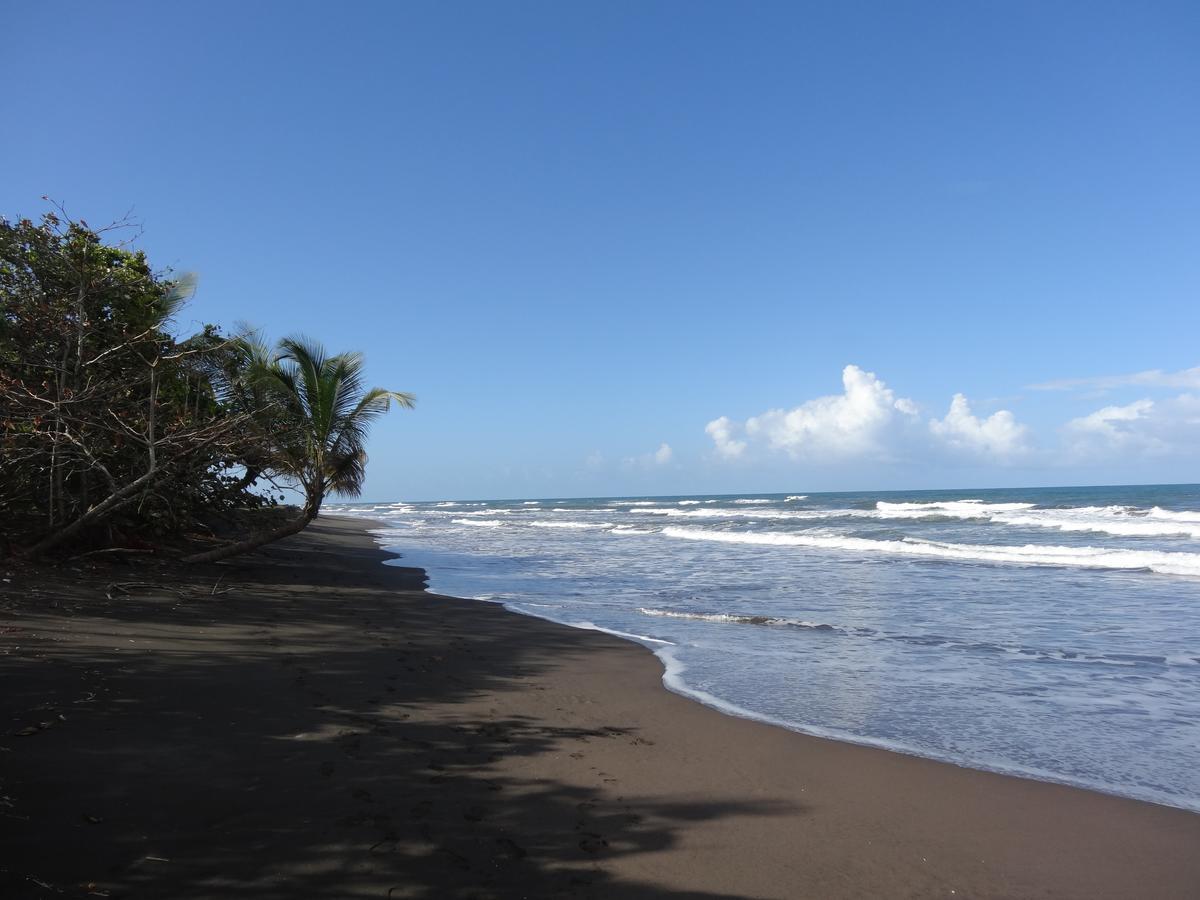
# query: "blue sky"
776,238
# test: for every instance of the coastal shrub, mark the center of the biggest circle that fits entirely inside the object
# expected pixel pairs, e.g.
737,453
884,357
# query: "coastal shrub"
116,432
112,428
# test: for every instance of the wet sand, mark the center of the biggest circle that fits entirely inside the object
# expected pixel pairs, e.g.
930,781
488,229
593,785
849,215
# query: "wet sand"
306,722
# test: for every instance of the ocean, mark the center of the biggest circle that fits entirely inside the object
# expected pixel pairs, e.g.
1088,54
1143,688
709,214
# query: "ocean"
1048,632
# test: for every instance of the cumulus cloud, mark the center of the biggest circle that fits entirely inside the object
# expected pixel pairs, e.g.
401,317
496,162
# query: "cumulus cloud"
663,454
722,432
853,423
867,421
998,437
1184,378
1143,428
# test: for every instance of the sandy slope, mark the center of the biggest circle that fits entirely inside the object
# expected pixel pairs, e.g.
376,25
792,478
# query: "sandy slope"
325,730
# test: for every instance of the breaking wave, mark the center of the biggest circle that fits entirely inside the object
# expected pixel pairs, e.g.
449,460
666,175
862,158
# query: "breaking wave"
1162,562
732,619
1123,521
545,524
932,640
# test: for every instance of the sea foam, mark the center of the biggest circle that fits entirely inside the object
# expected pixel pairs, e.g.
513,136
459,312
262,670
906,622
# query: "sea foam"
1163,562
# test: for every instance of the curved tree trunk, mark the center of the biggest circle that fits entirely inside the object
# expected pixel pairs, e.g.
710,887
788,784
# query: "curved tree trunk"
258,540
113,501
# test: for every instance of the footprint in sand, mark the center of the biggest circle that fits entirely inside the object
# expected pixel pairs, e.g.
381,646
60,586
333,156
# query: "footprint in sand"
593,843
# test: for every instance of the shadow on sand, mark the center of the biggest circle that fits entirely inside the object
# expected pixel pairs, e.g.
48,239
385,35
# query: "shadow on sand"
312,733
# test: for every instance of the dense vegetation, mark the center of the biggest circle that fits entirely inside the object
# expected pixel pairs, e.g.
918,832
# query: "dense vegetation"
117,434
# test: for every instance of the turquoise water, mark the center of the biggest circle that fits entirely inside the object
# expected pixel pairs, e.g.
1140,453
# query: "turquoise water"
1048,632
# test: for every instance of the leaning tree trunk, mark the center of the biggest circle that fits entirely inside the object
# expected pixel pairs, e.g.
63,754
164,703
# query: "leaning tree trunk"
258,540
113,501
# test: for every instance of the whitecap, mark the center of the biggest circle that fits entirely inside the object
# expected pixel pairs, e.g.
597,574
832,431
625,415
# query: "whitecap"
736,619
544,524
1163,562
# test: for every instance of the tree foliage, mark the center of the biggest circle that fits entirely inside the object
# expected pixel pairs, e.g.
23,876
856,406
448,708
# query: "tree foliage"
115,429
320,412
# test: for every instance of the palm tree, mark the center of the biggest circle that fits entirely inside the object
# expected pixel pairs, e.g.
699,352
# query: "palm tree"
319,414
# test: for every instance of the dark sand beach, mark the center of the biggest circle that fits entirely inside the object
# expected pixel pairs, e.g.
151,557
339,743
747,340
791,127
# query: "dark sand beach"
306,722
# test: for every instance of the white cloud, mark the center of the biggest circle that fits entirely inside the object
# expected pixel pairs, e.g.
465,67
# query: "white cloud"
999,437
722,432
867,421
1139,429
1184,378
595,460
854,423
660,457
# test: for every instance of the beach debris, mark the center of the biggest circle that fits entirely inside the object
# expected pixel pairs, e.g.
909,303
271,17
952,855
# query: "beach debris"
127,588
115,551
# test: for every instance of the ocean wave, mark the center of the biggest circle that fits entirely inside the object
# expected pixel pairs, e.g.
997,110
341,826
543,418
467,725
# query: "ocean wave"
963,509
479,523
1122,521
734,619
1157,512
531,502
1162,562
545,524
797,497
628,529
633,503
753,501
1115,520
932,640
755,513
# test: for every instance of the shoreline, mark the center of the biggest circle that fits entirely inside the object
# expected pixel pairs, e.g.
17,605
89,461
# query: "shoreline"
328,728
672,681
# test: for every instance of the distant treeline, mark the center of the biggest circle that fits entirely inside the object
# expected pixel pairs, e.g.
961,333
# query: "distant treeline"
116,434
